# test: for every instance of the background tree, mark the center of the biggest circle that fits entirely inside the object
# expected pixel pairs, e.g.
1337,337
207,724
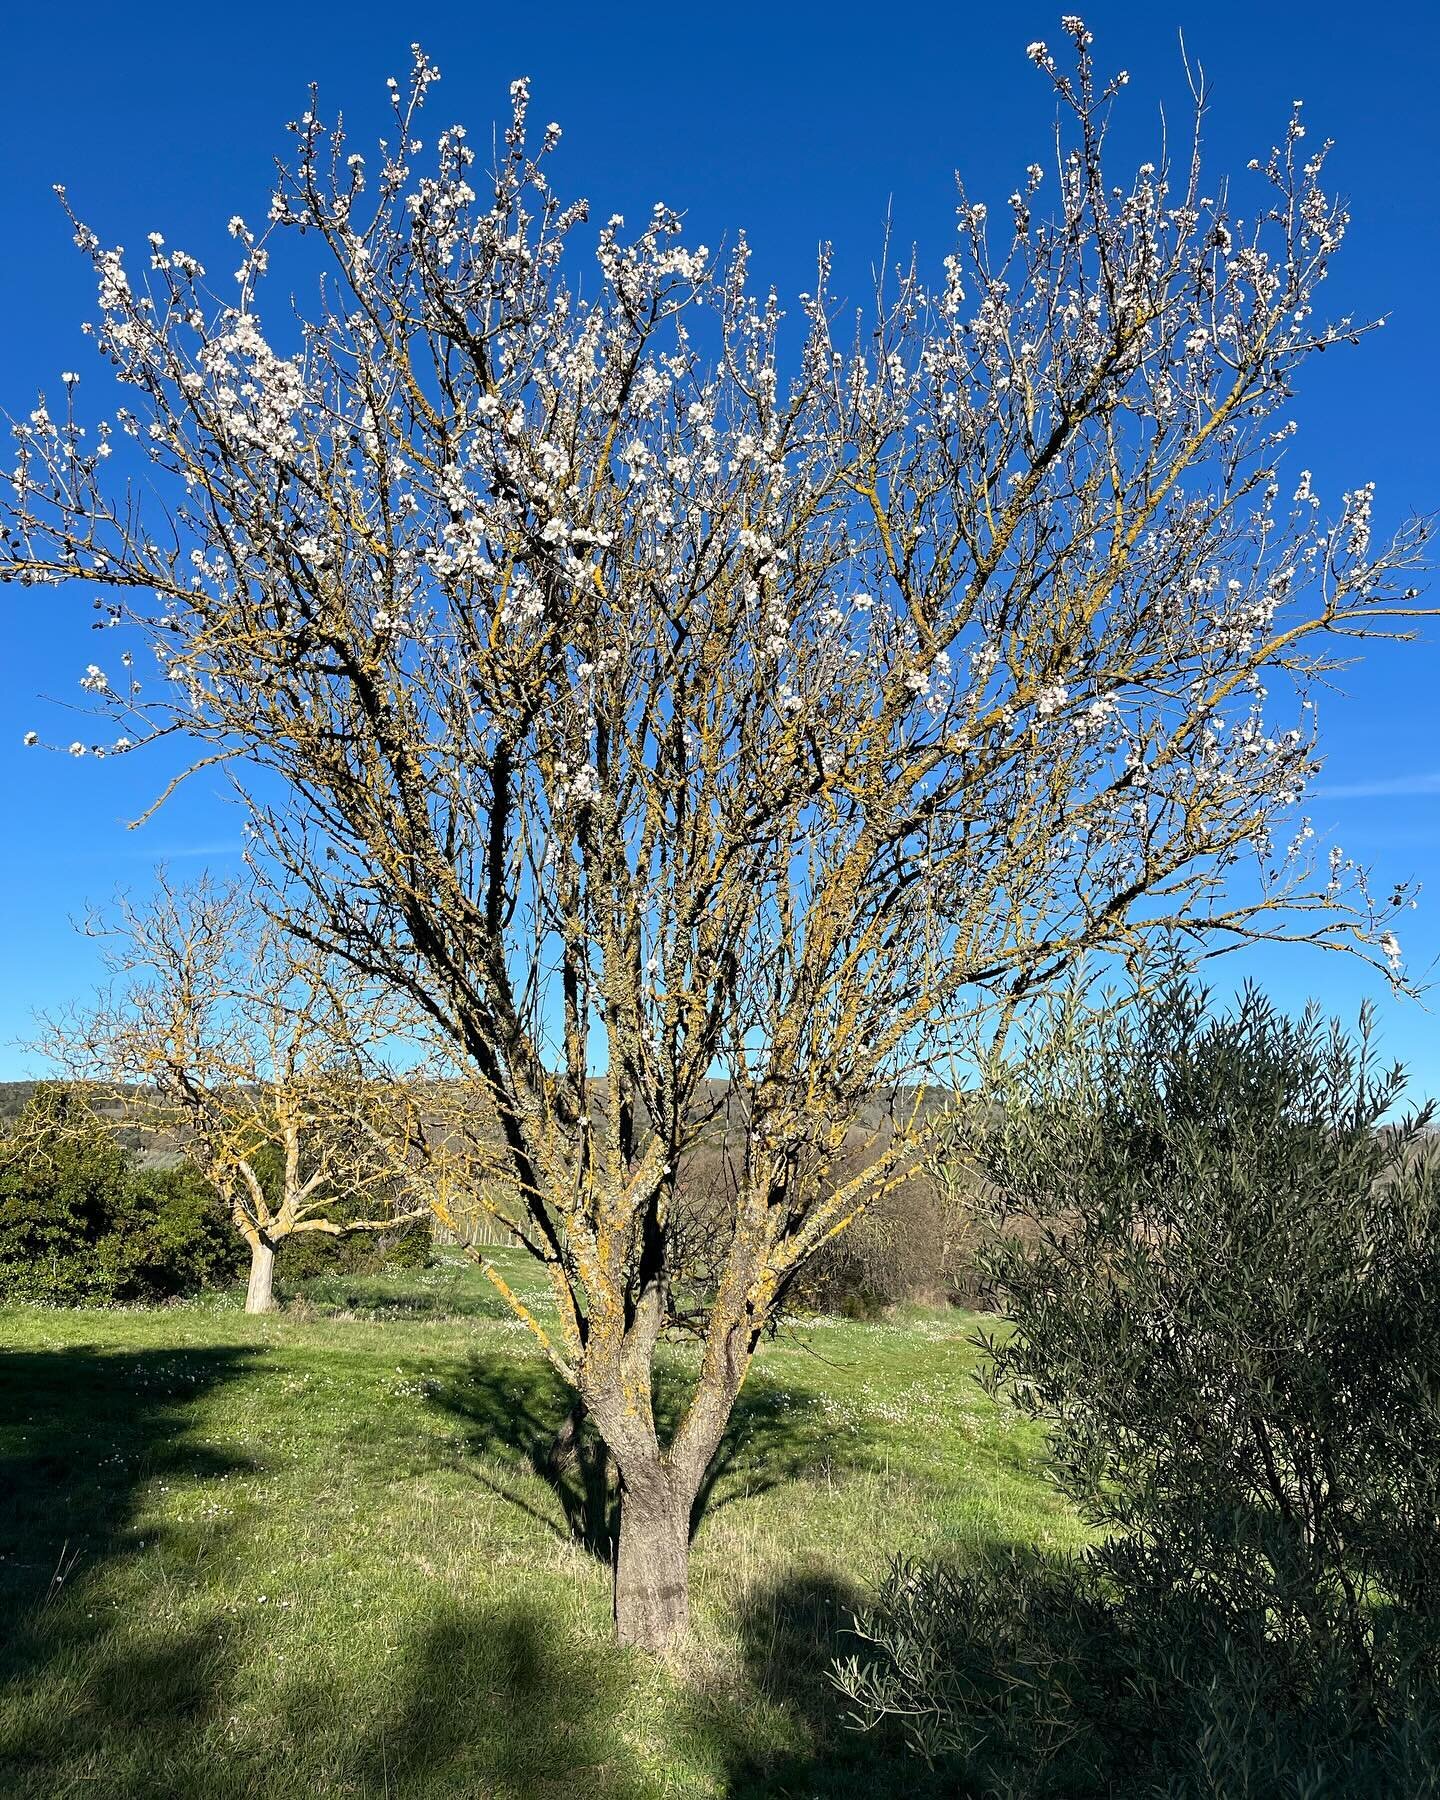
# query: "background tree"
249,1050
645,703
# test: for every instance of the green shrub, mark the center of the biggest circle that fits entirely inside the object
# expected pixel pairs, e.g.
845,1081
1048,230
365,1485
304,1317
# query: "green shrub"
176,1235
79,1225
1030,1678
63,1183
1222,1270
409,1246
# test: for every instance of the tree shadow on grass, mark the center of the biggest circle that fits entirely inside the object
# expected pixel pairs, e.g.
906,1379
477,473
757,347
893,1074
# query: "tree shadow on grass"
82,1432
504,1700
790,1632
133,1723
512,1702
518,1410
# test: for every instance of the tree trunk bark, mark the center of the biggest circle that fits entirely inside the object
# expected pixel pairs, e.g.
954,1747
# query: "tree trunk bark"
652,1562
260,1295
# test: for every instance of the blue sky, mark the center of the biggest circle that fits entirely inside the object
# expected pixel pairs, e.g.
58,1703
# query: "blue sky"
798,123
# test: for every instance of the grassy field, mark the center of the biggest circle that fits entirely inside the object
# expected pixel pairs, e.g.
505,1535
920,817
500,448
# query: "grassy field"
310,1554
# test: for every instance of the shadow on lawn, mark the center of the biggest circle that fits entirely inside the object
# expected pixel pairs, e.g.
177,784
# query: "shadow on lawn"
81,1432
517,1409
512,1699
498,1700
379,1300
509,1701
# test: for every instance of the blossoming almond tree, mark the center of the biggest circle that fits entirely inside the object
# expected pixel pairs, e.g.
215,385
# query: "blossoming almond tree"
652,703
254,1051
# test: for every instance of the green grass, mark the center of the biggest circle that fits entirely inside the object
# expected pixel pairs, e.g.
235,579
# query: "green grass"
308,1554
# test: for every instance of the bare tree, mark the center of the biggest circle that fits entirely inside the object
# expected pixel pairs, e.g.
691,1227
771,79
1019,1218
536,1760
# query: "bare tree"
251,1050
656,708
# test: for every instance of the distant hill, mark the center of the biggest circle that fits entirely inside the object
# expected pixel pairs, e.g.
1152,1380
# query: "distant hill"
14,1096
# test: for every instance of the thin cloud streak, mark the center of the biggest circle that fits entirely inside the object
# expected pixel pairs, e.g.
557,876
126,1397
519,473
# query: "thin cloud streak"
1397,787
149,853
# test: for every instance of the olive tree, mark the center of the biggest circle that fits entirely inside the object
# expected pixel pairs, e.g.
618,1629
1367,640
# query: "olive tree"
673,708
1215,1240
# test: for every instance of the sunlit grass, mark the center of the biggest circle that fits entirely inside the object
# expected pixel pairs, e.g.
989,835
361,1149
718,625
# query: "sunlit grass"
309,1554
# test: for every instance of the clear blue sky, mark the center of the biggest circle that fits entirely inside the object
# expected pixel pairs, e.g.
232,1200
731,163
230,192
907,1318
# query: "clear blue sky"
798,123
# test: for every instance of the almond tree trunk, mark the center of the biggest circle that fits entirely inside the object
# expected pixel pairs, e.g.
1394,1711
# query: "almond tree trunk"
652,1559
260,1295
658,1487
